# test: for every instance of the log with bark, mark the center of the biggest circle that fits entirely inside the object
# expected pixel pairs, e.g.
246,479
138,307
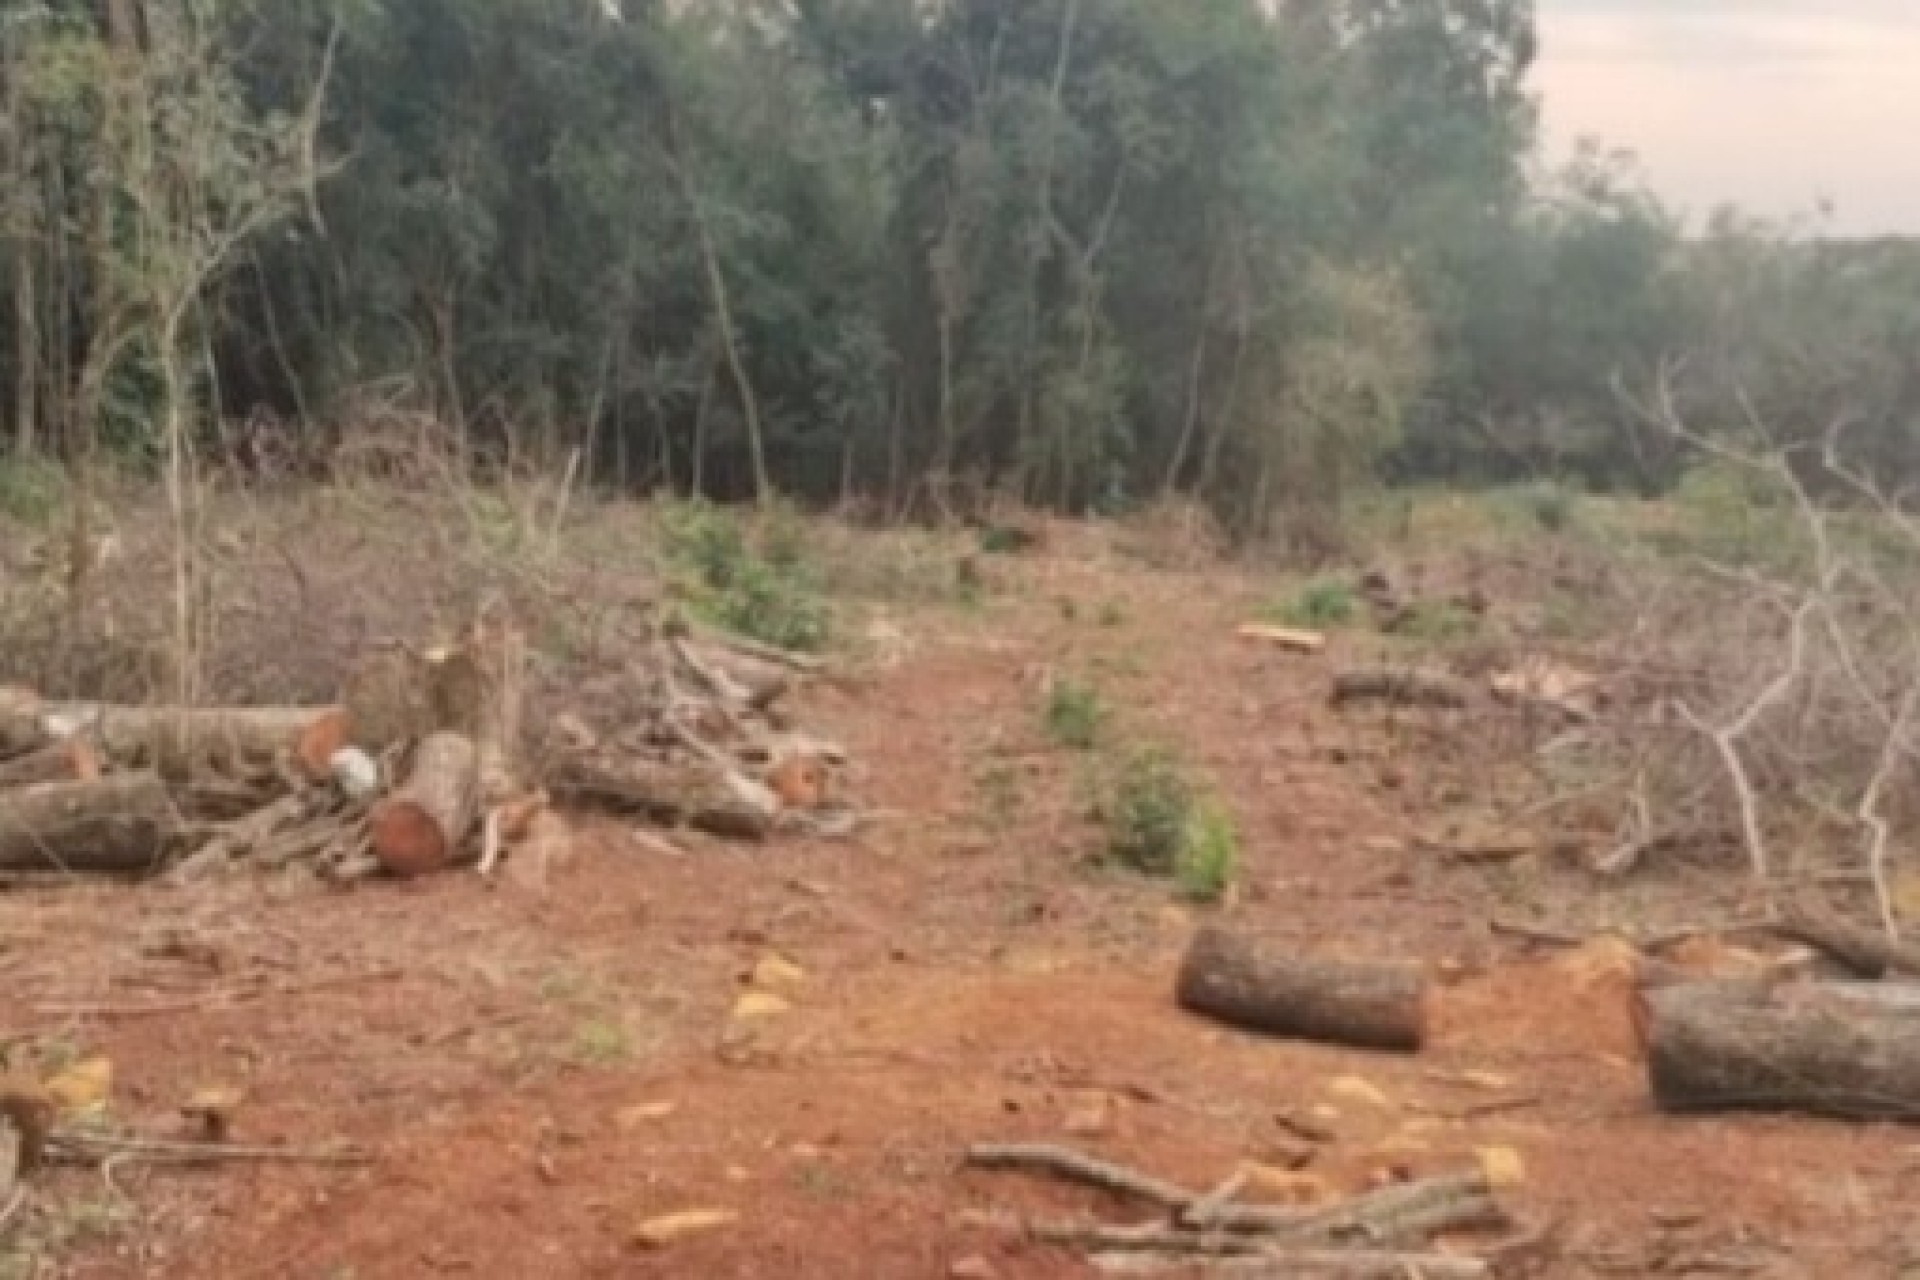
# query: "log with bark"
70,761
122,823
695,793
423,824
1847,1050
183,743
1402,686
1266,988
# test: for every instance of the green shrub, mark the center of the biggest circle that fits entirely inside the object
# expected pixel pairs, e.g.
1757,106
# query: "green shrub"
1438,622
1211,855
1149,812
1075,714
769,594
1320,604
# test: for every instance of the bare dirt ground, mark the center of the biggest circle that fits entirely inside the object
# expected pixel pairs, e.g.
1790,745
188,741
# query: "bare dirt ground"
538,1069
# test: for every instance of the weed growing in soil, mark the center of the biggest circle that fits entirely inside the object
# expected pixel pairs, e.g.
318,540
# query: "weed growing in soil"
31,492
1149,811
1075,714
1211,855
1322,603
768,593
1159,824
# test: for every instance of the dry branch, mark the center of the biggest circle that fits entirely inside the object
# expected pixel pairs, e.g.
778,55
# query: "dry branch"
671,792
1848,1050
1261,988
123,823
1869,953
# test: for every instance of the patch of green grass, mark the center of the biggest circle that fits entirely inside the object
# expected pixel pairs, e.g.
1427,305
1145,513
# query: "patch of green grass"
1076,713
1211,855
1321,604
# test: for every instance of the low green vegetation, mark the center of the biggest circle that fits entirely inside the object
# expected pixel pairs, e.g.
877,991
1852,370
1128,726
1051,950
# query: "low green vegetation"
1075,714
1159,823
1320,605
764,590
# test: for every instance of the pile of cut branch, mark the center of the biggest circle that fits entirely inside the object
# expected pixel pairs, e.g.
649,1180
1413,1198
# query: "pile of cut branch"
425,762
1386,1232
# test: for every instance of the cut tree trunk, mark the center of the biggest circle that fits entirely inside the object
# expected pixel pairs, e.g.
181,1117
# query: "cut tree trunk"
421,826
1403,686
181,743
1850,1050
71,761
682,793
1262,988
123,823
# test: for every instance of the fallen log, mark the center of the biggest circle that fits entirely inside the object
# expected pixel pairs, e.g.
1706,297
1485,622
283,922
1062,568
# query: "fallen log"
1263,989
421,826
1403,686
1846,1050
70,761
1864,951
693,793
181,742
121,823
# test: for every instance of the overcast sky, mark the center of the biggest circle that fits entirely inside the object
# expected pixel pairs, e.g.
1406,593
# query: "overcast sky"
1771,104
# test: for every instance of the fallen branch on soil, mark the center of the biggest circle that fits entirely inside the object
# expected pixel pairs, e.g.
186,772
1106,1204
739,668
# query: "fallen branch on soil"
88,1146
1847,1050
1293,1264
1260,988
1210,1225
1404,686
1865,951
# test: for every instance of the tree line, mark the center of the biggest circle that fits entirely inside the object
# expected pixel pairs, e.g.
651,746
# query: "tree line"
1084,252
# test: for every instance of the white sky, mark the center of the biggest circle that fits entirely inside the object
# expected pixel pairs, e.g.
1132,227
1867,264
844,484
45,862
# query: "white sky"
1770,104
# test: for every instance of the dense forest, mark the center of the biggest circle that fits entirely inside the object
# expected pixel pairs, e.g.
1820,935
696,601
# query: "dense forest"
1083,252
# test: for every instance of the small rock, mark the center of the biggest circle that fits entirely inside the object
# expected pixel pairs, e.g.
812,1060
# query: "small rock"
658,1233
1092,1115
973,1268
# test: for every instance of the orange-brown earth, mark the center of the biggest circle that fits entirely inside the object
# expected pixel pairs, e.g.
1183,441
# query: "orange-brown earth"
539,1069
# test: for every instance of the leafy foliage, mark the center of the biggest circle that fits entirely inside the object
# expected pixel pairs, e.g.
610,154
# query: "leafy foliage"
768,594
1086,254
1149,811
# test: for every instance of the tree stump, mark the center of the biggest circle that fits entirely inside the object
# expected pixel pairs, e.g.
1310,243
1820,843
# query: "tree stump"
1848,1050
1261,988
122,823
420,827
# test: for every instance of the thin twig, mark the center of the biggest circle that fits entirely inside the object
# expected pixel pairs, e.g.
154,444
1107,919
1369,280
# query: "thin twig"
78,1142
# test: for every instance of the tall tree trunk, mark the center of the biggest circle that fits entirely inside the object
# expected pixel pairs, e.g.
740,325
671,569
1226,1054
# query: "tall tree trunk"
730,345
